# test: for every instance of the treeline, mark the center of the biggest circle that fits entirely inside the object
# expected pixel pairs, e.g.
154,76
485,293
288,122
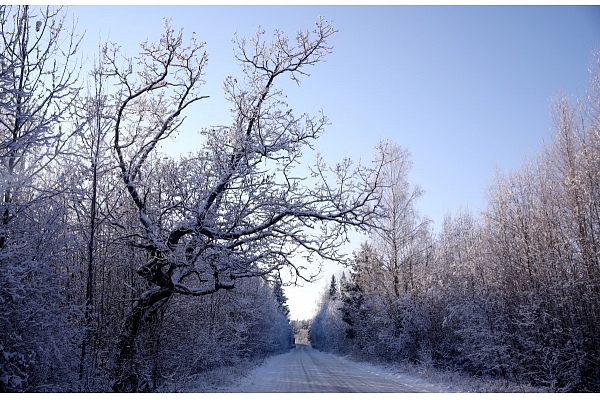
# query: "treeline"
513,293
122,268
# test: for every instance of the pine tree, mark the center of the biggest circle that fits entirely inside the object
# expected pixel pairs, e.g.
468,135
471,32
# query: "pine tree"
281,298
333,290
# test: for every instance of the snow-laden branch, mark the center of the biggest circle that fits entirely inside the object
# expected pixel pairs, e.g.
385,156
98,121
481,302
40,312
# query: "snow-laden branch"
239,207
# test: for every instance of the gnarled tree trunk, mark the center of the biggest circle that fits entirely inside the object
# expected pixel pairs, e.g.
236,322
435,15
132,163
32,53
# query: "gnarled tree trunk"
124,374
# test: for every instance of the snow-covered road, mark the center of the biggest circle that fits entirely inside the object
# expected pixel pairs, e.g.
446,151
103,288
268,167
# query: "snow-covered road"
307,370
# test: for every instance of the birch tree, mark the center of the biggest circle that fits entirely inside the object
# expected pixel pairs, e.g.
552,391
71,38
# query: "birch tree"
400,237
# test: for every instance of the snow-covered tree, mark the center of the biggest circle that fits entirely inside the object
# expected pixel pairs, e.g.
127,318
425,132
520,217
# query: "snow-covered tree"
402,234
280,297
327,330
333,289
37,80
238,208
37,87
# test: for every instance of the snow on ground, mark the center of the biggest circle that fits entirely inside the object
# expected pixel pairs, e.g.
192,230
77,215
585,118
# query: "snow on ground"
412,379
307,370
459,382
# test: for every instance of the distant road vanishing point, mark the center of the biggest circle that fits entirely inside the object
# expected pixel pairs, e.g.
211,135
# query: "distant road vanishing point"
305,369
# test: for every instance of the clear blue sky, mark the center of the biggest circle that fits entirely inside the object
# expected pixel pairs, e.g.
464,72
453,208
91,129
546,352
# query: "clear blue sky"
467,90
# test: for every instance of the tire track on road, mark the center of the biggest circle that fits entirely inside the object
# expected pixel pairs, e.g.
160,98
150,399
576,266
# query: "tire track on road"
305,370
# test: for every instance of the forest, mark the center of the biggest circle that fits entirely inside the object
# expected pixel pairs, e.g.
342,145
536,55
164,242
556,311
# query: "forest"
125,269
511,293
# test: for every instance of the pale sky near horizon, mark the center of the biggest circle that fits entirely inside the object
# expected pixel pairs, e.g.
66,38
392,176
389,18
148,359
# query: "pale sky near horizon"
467,90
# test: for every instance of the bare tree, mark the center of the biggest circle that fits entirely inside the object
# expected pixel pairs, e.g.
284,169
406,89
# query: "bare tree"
402,234
92,168
239,208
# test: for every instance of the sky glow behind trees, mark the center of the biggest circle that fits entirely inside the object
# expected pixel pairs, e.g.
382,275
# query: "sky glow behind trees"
466,90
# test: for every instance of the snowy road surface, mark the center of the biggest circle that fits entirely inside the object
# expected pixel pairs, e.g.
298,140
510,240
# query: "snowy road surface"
305,369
